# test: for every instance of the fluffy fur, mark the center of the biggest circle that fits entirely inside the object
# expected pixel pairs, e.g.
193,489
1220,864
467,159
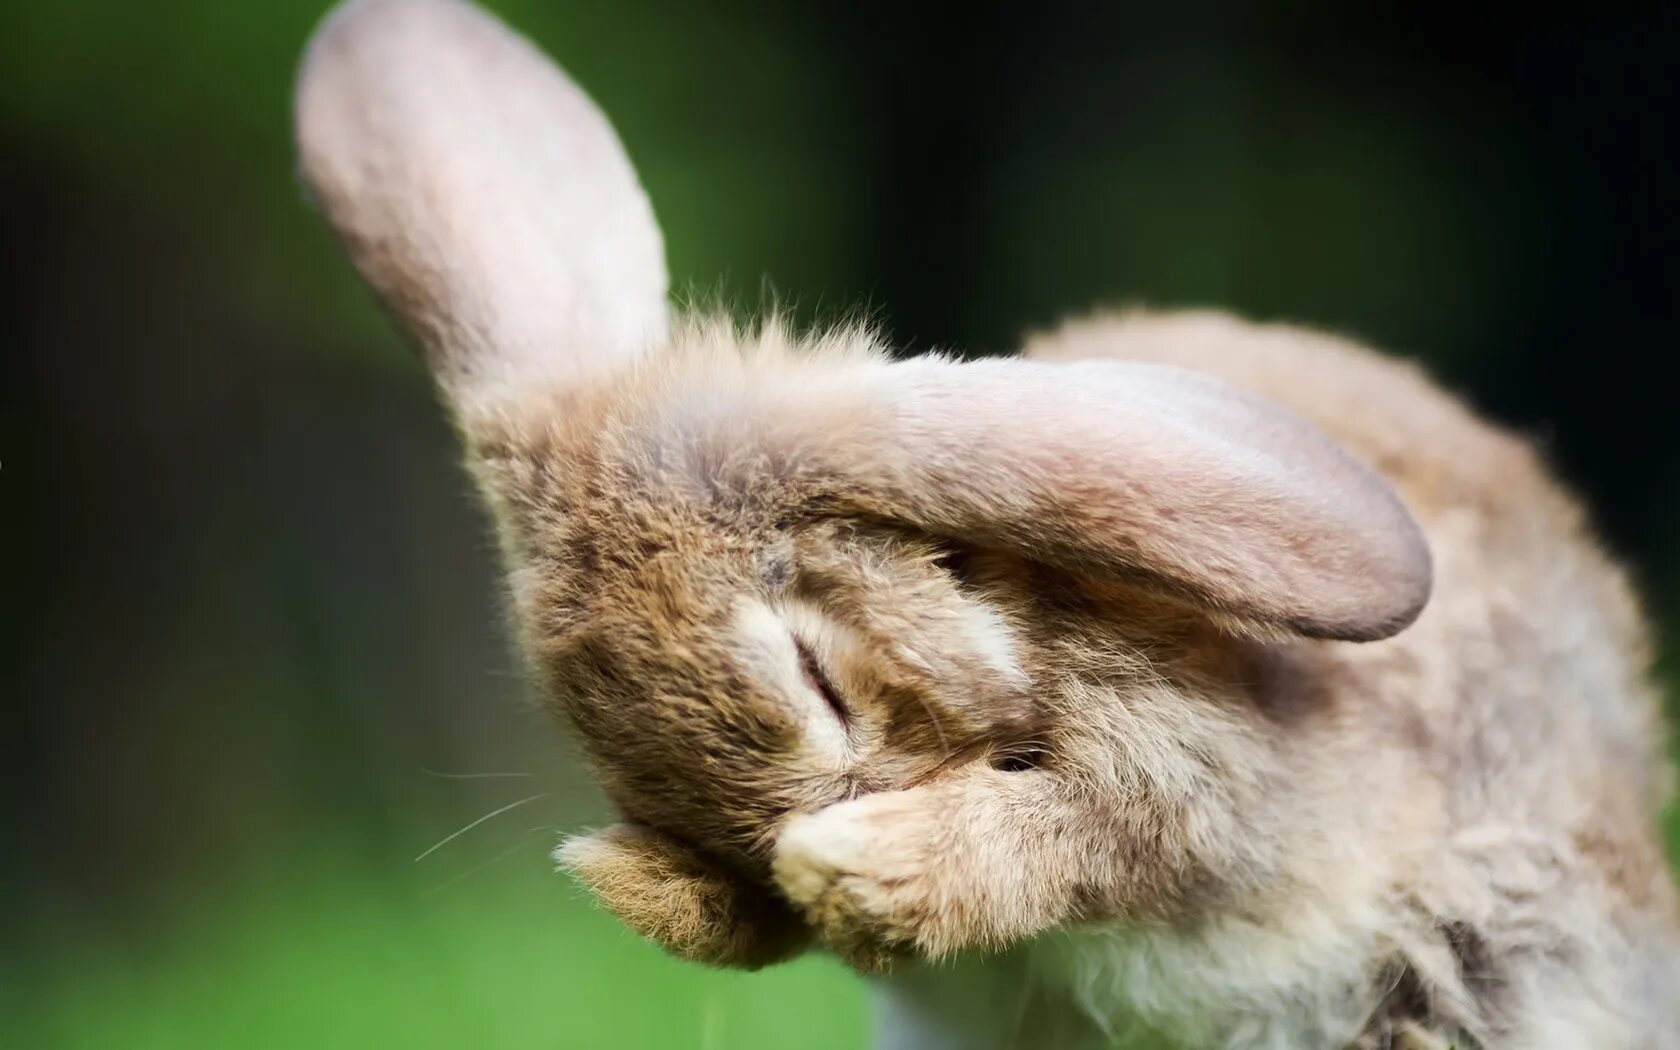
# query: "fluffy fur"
1187,676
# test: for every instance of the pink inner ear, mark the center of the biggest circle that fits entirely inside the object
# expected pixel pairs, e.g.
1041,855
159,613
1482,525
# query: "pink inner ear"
1216,495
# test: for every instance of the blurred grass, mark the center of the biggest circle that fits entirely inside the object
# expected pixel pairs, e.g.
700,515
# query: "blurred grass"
323,956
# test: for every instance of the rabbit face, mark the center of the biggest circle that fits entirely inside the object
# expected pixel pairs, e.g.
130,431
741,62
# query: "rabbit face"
730,647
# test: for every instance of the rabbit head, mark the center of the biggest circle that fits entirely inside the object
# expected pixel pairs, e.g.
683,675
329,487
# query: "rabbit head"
759,574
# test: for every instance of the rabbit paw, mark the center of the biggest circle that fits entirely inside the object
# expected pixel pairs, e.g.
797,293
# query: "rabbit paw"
868,876
675,897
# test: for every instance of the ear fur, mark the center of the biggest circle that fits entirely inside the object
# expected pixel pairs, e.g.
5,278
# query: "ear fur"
482,195
1167,476
668,893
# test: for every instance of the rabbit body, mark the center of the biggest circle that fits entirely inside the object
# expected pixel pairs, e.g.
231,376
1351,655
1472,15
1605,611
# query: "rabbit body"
1445,836
1185,676
1461,814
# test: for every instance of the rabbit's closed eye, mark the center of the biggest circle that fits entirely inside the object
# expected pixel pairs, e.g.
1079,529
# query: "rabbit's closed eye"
816,677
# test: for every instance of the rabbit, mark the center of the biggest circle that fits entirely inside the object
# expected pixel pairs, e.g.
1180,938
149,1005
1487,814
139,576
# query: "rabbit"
1182,677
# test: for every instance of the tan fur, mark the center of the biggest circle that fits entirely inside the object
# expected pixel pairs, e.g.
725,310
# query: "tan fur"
1094,675
671,894
1305,842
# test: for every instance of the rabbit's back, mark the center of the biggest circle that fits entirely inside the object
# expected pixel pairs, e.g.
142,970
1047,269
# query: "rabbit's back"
1524,686
1385,410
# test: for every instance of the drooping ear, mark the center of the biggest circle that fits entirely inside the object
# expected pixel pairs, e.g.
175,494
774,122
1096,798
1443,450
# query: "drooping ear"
1166,476
668,893
482,195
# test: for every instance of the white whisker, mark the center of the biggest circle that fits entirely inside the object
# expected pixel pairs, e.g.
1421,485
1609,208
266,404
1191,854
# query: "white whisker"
933,719
476,868
488,816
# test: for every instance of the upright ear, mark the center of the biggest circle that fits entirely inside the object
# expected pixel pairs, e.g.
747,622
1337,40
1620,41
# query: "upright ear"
1167,476
668,893
482,195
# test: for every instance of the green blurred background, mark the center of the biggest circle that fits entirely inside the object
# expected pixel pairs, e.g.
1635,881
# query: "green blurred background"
254,650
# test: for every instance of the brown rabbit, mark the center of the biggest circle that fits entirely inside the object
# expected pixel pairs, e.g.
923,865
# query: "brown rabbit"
1111,677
